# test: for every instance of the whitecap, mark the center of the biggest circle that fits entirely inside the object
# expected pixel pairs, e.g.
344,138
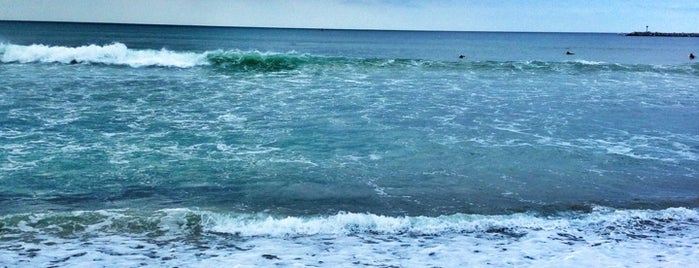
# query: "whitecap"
112,54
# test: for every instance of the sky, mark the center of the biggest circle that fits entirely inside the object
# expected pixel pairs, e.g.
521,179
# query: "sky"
617,16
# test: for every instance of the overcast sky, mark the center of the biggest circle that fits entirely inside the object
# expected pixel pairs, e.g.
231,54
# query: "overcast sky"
459,15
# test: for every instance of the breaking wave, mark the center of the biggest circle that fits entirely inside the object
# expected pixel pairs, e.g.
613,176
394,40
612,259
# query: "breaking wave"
193,238
599,221
114,54
237,60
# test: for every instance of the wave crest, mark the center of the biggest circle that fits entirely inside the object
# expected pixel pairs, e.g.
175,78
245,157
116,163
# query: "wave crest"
256,61
113,54
120,54
178,222
236,61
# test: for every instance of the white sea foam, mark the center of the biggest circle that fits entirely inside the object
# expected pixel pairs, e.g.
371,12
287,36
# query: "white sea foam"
603,237
589,62
231,118
113,54
643,147
351,223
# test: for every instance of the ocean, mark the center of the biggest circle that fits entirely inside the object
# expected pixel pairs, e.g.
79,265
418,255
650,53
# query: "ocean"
175,146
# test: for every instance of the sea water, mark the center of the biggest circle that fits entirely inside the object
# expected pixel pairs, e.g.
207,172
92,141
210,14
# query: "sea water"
132,145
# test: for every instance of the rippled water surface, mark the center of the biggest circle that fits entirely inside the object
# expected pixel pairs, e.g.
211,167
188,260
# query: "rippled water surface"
199,146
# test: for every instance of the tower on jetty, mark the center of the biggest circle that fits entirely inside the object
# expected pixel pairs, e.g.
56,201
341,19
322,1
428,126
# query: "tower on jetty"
661,34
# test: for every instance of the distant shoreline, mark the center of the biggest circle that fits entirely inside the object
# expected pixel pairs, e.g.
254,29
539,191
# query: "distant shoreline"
659,34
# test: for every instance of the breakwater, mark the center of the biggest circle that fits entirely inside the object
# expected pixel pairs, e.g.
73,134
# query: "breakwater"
659,34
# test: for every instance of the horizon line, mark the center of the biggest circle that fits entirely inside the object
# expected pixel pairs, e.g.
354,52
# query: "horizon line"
292,28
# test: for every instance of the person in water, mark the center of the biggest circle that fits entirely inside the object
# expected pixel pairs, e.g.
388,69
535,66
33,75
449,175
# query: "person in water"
462,56
691,56
569,53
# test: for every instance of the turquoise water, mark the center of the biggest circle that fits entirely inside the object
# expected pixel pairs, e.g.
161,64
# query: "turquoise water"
195,146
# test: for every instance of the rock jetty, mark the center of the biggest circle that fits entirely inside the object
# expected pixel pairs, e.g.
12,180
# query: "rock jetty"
659,34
